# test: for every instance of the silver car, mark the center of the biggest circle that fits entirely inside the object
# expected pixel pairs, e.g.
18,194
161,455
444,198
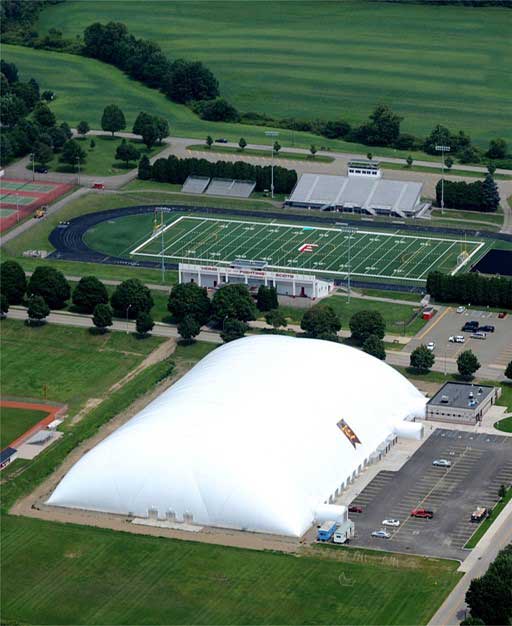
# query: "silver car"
442,463
382,534
391,522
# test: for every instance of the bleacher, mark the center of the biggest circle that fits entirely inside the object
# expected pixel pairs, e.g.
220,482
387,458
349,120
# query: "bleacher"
195,184
230,187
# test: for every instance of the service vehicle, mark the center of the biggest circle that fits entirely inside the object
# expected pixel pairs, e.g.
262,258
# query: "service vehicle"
326,531
461,309
98,185
457,339
423,513
391,522
431,345
40,212
441,463
355,508
382,534
479,514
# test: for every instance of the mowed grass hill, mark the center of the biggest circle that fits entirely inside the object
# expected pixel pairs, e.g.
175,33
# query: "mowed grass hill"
433,64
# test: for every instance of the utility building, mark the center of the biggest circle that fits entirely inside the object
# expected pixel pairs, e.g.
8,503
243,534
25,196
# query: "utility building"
462,403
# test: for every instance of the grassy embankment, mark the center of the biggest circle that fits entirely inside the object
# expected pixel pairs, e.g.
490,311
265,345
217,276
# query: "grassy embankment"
336,59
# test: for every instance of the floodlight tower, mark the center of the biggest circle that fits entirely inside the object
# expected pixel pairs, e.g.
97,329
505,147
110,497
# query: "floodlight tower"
272,133
349,230
442,150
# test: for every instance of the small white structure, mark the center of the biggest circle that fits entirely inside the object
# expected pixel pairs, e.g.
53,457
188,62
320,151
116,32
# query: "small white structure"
364,167
285,283
256,437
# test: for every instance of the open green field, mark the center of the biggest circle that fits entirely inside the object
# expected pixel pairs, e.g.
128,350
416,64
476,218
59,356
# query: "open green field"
333,59
66,574
101,159
14,422
331,251
72,363
85,86
505,425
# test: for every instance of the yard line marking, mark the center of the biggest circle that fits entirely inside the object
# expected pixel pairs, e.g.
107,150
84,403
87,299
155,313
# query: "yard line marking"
187,234
431,252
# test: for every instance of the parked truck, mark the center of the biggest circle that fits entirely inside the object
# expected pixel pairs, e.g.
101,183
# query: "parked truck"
326,531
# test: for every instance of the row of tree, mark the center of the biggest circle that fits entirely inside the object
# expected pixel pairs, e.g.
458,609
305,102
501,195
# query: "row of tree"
470,287
422,359
174,170
476,196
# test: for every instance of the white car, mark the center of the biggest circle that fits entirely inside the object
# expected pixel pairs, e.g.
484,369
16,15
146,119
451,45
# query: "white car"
456,339
431,346
461,309
382,534
391,522
442,463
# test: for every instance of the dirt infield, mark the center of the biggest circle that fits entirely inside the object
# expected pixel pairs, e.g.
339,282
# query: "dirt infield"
52,412
20,198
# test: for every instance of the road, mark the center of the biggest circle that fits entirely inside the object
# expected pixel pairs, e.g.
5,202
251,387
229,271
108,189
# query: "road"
393,357
178,147
454,608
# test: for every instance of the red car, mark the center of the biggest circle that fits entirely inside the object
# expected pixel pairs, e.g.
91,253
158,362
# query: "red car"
355,509
502,315
98,186
425,513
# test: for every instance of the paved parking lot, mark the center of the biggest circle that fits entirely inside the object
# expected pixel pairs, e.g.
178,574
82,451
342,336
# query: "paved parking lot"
495,350
480,464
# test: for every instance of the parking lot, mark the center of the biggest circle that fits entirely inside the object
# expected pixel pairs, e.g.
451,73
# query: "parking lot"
494,350
480,463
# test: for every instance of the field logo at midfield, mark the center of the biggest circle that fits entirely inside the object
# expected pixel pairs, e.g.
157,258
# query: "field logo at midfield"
348,432
308,247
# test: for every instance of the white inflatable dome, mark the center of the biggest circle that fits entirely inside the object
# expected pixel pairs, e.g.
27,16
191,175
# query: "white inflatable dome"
251,438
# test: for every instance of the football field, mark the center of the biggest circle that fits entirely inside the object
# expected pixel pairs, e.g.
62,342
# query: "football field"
333,251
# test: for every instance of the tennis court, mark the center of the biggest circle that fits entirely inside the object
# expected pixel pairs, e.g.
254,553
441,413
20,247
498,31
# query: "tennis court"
13,185
333,251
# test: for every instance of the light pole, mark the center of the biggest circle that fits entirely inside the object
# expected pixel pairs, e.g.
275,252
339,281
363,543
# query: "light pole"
32,156
272,133
162,244
127,312
349,231
17,208
78,163
442,150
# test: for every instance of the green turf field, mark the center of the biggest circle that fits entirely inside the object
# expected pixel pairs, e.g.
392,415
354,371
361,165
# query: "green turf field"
67,574
73,364
333,59
14,422
330,251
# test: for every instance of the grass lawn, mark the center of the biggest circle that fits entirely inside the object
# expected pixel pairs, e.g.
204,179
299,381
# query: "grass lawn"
447,173
14,422
331,59
67,574
261,153
396,295
72,363
101,159
469,216
505,425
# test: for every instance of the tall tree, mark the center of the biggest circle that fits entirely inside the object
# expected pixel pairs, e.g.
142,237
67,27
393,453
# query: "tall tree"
113,119
72,152
88,293
242,143
43,153
497,149
321,322
149,134
144,324
43,115
490,194
422,359
162,128
188,328
276,318
374,346
209,141
232,330
83,128
37,310
13,281
145,170
234,302
189,299
467,363
130,298
365,323
50,284
142,119
266,298
127,152
102,317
